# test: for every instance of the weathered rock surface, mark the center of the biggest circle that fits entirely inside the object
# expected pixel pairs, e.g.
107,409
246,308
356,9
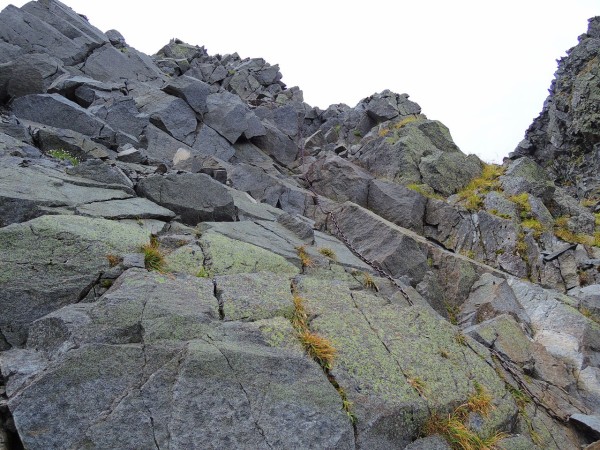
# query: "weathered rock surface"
323,278
52,261
564,138
154,347
195,197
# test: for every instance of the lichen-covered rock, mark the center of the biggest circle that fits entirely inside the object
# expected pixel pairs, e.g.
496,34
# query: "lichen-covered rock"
396,363
150,365
255,296
29,192
226,256
53,261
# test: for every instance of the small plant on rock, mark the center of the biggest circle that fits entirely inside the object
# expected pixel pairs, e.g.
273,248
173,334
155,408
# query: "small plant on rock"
203,273
113,260
305,259
368,282
535,226
64,155
418,385
454,429
329,253
154,258
319,348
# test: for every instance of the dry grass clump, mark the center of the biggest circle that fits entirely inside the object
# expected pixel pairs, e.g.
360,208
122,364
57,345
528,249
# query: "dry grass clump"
327,252
154,258
113,259
454,429
318,347
475,191
562,231
305,259
535,226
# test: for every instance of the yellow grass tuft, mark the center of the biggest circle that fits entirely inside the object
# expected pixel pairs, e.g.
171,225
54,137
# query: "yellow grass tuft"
305,259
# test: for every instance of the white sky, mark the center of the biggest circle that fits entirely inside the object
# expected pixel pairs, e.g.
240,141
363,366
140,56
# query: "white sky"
481,67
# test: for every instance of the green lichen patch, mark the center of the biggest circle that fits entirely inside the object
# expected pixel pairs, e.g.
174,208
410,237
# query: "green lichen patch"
227,256
255,296
187,259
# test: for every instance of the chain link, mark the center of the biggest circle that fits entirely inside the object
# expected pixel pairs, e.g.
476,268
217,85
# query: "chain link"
382,273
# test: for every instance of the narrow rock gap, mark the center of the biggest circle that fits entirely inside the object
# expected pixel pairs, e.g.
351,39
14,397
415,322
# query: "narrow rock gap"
142,333
9,437
258,426
300,324
218,294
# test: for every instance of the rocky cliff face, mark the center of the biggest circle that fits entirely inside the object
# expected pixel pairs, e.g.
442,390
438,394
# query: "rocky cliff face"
193,257
565,138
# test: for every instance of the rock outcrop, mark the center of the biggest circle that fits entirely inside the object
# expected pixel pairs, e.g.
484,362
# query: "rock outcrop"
565,138
193,257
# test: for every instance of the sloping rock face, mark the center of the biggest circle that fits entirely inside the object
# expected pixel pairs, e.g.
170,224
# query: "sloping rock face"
565,137
193,257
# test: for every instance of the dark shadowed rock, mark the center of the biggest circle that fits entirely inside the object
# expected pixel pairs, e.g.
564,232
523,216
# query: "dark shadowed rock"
50,27
77,144
339,179
112,65
32,74
196,197
192,90
57,111
170,114
397,204
231,118
277,144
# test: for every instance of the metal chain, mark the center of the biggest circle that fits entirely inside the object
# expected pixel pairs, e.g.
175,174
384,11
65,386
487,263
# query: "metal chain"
349,244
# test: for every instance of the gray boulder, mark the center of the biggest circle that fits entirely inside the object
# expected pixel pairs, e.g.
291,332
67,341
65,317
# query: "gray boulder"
96,170
52,261
398,204
129,208
77,144
231,118
192,90
277,145
196,197
57,111
280,192
122,114
209,142
50,27
109,64
447,173
29,192
339,179
160,146
490,297
388,105
32,74
170,114
525,175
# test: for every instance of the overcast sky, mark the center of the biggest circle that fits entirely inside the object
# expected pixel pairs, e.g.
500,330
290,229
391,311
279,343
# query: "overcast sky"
483,68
